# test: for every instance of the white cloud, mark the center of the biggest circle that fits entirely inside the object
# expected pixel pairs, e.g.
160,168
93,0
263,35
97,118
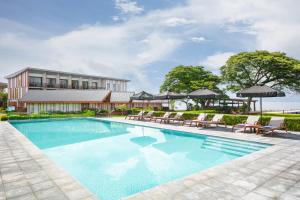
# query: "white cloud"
177,21
127,48
215,61
128,7
198,39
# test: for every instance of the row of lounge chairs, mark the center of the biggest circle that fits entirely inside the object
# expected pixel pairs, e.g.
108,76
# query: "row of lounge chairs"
252,122
178,119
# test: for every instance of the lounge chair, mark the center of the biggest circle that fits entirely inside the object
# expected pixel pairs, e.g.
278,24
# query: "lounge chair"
217,120
251,122
165,116
177,118
201,117
138,116
276,123
148,116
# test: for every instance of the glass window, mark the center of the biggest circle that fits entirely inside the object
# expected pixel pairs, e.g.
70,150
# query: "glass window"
94,85
51,82
63,83
85,84
75,84
114,87
35,81
108,86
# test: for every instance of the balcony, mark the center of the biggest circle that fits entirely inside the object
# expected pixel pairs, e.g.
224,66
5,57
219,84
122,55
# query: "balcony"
59,86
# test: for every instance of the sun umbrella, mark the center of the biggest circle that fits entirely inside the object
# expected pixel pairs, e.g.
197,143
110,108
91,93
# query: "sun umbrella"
142,96
260,92
203,93
169,95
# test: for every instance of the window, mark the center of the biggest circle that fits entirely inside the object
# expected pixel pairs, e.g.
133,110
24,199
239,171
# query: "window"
114,87
63,83
108,86
85,84
35,81
94,85
75,84
51,82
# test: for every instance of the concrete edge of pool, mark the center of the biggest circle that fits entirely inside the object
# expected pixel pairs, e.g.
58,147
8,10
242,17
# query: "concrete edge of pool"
272,172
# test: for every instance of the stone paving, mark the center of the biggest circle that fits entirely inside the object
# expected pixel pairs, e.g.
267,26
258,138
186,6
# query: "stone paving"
273,173
27,174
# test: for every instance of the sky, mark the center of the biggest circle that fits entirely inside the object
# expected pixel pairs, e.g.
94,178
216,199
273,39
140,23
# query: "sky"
141,40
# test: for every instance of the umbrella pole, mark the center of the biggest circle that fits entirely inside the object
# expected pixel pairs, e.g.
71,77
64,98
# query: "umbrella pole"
261,112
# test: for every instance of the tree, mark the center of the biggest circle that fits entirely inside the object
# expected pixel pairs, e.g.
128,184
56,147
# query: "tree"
3,99
274,69
185,79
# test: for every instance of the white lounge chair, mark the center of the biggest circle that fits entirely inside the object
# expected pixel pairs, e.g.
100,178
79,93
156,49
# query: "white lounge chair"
249,123
276,123
177,118
148,116
165,116
217,120
201,117
138,116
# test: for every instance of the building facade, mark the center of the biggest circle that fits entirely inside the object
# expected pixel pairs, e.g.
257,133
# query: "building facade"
25,80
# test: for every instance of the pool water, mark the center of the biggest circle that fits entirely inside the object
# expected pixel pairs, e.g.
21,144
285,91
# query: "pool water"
115,160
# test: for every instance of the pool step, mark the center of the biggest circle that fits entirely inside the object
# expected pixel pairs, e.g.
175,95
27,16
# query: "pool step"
227,148
239,142
226,151
233,145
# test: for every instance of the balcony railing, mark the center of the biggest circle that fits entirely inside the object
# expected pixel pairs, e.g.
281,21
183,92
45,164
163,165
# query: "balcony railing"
59,86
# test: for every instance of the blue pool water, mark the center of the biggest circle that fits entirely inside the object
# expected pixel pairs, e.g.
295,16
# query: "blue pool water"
115,160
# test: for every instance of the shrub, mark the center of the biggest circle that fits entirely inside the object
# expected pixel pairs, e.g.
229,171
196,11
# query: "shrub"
3,117
89,113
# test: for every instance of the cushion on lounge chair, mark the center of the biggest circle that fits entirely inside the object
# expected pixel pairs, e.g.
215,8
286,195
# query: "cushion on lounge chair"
201,116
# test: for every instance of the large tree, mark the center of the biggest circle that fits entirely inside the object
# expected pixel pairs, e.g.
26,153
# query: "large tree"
190,78
274,69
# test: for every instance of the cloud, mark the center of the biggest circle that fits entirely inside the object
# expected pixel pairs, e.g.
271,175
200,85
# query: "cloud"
176,21
215,61
198,39
128,7
127,49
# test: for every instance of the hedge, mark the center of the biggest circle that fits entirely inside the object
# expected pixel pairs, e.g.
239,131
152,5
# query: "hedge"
292,123
12,116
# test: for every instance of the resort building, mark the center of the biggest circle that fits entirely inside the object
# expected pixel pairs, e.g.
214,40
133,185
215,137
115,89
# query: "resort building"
30,79
35,90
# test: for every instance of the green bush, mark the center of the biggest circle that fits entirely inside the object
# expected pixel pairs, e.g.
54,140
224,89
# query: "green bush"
292,124
3,117
282,115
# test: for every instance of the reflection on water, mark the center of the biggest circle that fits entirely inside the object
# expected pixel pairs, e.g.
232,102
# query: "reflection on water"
115,160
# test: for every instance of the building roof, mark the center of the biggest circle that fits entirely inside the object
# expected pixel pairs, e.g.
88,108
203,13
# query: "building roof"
120,97
61,72
74,96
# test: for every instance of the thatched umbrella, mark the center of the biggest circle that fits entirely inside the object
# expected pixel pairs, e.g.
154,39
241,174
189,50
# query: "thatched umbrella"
260,92
142,96
169,96
203,94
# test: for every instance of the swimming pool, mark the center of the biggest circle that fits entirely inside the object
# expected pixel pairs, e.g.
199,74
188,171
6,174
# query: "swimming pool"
115,160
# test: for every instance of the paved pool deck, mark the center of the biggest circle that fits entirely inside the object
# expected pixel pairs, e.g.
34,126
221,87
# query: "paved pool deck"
272,173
